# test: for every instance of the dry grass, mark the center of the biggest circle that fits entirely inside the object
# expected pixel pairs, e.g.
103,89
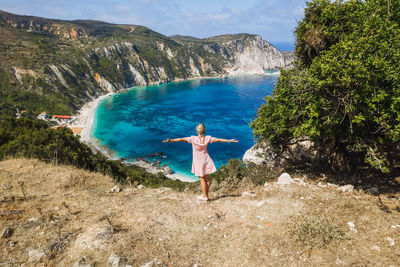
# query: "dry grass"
316,231
75,216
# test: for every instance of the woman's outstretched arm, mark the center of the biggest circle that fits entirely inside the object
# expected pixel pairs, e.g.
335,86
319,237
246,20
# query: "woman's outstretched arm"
183,139
224,140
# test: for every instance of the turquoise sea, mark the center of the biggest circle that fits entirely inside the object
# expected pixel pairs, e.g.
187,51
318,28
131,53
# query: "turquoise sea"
132,124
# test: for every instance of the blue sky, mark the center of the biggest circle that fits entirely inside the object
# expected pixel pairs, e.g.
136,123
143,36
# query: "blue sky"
274,20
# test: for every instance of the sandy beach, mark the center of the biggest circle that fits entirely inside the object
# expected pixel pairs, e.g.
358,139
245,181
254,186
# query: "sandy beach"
85,120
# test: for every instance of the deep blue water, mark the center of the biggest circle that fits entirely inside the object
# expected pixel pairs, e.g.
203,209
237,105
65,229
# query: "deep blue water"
284,46
133,123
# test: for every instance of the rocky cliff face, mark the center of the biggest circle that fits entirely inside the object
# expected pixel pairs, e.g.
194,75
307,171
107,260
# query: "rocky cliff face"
79,60
248,54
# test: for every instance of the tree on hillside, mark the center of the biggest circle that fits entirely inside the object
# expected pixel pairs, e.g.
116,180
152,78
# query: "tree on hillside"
344,93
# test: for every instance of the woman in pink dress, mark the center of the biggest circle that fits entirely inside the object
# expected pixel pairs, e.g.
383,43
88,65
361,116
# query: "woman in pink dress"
202,164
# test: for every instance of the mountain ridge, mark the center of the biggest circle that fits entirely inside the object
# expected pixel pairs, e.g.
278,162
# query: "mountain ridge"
67,63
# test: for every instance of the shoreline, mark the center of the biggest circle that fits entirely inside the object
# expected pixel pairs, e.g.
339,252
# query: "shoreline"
85,121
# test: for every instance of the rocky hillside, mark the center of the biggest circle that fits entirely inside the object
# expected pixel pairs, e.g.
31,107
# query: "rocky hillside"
61,216
59,65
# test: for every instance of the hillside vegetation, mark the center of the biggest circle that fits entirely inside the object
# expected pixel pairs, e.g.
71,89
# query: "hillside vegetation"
57,65
35,139
344,92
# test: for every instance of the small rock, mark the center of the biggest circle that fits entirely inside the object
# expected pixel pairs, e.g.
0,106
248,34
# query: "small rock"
33,219
376,248
116,188
300,181
284,179
259,204
248,194
83,262
140,186
346,188
373,190
35,255
320,184
7,232
390,241
154,263
351,224
116,261
266,184
395,226
332,185
6,186
352,227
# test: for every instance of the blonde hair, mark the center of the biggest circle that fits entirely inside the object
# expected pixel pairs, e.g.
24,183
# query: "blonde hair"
200,128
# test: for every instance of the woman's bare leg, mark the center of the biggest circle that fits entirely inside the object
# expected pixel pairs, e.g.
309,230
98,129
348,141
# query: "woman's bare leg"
204,186
208,182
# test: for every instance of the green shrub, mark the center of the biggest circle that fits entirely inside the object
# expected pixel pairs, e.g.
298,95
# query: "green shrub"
29,138
344,93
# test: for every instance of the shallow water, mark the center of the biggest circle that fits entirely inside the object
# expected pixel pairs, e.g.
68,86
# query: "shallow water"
132,124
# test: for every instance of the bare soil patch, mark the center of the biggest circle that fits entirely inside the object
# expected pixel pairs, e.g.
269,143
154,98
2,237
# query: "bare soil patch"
70,214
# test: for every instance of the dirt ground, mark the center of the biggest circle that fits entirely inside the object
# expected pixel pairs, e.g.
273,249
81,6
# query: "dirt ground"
61,216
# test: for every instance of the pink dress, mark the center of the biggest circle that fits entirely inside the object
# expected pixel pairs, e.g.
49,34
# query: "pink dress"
202,162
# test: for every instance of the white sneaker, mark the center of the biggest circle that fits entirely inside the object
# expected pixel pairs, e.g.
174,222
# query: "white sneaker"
202,198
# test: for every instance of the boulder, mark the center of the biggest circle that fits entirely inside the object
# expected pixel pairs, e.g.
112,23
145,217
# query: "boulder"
263,153
255,155
284,179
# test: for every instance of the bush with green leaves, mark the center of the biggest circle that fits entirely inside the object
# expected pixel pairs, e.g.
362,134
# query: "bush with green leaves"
344,92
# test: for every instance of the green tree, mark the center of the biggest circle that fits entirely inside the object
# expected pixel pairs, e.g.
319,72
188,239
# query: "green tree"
344,92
